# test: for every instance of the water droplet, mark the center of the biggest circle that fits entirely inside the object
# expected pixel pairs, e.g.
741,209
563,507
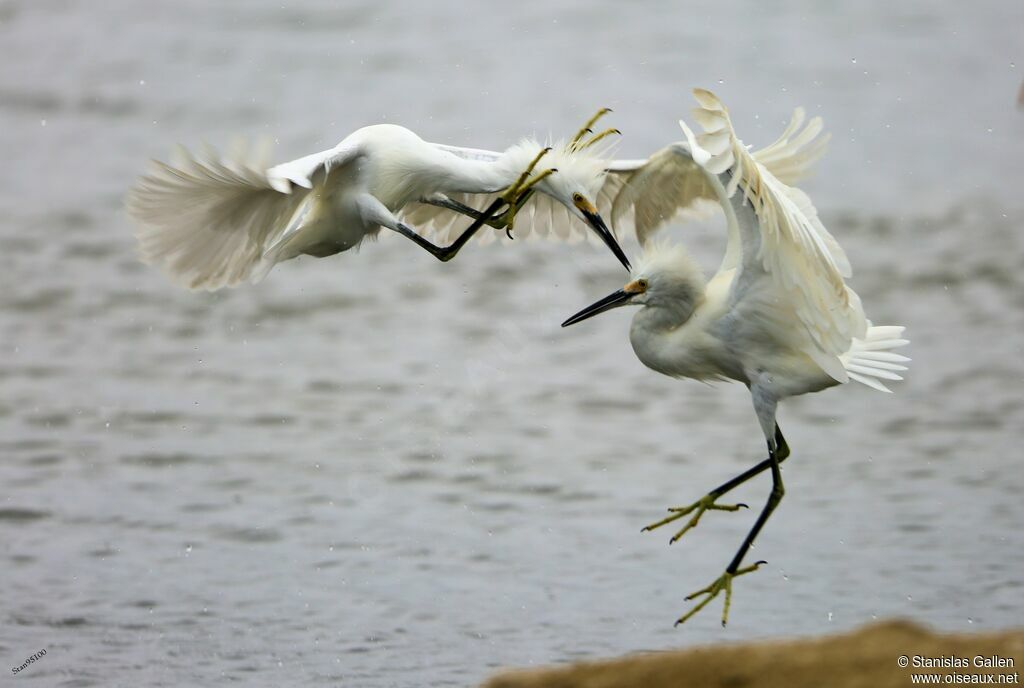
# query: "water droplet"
42,122
910,598
853,60
970,620
142,82
721,81
188,549
830,616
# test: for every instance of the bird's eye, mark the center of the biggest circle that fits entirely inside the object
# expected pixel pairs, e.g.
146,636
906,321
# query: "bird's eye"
577,197
642,284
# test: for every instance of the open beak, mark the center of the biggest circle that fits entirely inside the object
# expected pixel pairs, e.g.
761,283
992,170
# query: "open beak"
619,298
596,222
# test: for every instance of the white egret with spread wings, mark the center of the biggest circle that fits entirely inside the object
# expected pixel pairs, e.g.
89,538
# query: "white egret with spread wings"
776,316
211,222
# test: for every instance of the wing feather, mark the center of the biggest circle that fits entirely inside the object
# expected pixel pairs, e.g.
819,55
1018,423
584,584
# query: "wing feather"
671,186
782,239
207,220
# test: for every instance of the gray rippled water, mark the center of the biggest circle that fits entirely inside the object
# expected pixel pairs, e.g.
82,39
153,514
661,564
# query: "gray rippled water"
376,470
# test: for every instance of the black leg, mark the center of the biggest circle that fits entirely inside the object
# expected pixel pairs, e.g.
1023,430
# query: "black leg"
444,254
466,210
498,222
773,501
778,450
781,453
710,500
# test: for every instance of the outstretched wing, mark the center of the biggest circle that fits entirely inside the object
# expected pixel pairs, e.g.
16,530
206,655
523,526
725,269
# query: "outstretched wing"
783,255
670,186
207,219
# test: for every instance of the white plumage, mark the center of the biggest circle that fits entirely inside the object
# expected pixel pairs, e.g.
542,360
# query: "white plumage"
776,316
212,222
669,185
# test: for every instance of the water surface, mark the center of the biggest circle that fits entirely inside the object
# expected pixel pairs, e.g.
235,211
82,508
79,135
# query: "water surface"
377,470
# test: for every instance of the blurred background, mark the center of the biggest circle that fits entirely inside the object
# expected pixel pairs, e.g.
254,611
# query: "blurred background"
379,470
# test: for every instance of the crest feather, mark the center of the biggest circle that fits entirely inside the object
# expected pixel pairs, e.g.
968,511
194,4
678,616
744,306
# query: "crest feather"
663,257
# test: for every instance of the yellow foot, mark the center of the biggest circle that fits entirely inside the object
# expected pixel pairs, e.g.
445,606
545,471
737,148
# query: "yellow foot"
581,145
724,582
577,143
520,190
705,503
587,128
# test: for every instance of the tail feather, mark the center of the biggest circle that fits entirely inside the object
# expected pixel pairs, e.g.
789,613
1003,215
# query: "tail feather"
869,360
207,221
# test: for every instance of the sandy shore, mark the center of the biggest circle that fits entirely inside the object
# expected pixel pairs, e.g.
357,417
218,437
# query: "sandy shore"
866,658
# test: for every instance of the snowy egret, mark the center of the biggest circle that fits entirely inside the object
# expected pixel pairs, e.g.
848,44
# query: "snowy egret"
777,316
211,223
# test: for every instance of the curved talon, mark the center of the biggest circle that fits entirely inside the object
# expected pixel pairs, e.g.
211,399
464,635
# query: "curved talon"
508,233
587,128
587,144
675,538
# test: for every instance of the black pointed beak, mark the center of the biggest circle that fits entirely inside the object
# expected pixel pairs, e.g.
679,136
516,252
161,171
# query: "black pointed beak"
619,298
597,222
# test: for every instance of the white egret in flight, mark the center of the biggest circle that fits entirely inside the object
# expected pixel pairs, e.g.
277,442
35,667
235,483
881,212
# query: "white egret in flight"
777,316
212,223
